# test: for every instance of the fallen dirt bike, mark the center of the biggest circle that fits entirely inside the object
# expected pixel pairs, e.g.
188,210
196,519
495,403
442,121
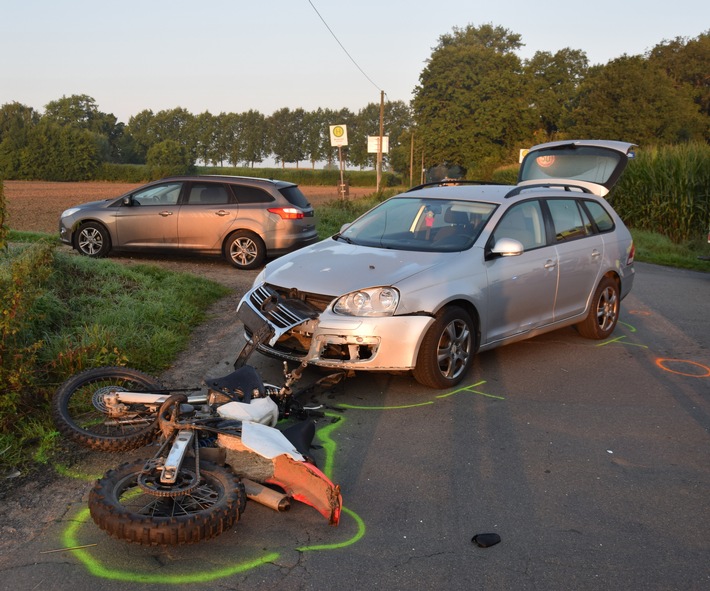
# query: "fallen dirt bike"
216,449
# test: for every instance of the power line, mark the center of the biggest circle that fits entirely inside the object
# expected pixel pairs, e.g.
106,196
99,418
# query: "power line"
343,47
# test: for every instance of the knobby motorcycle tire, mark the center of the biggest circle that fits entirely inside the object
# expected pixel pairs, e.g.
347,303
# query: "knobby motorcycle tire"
76,417
119,507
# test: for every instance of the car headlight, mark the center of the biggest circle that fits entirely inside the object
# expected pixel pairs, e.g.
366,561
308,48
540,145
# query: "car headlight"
375,301
71,211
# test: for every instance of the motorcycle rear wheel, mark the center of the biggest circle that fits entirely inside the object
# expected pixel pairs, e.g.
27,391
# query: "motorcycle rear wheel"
78,414
121,508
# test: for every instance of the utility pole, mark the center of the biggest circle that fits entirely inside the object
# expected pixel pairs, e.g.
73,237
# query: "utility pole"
382,133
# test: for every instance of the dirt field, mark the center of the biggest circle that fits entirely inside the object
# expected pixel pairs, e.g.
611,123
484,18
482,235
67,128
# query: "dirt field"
36,206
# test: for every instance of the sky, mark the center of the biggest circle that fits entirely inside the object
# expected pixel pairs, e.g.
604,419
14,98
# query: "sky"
233,56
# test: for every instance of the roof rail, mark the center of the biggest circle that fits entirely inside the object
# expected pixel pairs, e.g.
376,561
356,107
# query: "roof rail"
446,182
566,186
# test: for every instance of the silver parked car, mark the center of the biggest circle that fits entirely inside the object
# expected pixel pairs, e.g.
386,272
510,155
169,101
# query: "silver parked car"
427,278
242,218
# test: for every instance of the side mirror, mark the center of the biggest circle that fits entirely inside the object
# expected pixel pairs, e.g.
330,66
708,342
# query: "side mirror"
507,247
127,201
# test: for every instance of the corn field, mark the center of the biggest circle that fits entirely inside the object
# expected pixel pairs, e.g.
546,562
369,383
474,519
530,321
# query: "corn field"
667,190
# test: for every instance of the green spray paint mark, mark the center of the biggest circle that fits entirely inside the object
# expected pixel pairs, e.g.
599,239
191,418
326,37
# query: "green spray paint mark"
471,389
97,569
356,538
329,445
618,340
69,473
403,406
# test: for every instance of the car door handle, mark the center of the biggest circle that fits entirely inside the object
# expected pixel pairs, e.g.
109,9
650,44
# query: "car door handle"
166,213
596,254
222,213
550,264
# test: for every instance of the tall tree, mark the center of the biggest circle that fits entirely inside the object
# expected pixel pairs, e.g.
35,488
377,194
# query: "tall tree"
16,121
687,62
254,137
470,104
552,82
630,99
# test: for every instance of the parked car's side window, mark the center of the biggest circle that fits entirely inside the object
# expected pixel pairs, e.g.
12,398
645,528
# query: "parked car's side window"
247,194
601,217
522,222
567,219
208,194
165,194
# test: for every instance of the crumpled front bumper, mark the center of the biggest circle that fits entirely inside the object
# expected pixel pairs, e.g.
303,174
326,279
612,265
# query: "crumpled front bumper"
330,340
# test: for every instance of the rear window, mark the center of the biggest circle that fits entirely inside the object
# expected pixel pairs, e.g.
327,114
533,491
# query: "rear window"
248,194
295,197
581,163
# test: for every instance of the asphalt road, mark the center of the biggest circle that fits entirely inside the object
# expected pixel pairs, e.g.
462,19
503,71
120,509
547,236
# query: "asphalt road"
589,459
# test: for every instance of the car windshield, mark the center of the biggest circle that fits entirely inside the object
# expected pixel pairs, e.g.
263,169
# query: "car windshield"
420,224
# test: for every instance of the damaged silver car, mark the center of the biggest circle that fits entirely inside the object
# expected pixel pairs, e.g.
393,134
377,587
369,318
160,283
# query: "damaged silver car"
429,277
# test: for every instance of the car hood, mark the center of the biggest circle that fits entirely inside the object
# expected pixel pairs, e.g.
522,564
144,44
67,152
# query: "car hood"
332,267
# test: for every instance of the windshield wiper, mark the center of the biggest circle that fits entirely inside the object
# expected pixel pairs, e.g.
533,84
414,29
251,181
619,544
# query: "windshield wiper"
343,238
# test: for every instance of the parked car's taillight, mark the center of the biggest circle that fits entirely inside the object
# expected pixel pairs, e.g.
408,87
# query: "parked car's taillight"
632,253
287,213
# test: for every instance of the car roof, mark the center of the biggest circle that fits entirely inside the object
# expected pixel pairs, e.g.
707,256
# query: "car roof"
224,178
498,193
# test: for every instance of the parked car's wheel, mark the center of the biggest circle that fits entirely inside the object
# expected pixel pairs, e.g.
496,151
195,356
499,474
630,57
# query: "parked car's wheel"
447,351
245,250
92,240
603,312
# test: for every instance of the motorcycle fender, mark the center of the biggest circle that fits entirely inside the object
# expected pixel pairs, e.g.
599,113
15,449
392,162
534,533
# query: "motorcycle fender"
307,484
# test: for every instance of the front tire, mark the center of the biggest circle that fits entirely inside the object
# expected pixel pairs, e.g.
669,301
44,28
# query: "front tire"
79,413
92,240
245,250
119,506
447,351
603,312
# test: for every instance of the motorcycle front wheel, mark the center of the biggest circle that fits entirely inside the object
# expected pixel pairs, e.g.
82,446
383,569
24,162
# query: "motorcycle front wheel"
121,506
79,410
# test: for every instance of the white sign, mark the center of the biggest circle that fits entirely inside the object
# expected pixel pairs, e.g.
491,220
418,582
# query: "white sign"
373,142
338,135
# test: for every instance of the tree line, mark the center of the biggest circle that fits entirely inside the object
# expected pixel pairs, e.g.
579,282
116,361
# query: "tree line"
477,103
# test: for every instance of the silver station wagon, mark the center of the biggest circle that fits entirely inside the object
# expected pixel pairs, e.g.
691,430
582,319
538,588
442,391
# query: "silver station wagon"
243,219
427,278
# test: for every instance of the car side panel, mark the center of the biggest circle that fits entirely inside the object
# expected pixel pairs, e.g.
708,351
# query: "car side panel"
147,226
521,293
579,272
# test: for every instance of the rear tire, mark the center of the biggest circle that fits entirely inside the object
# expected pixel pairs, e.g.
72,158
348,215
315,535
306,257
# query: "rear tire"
446,353
120,507
245,250
603,311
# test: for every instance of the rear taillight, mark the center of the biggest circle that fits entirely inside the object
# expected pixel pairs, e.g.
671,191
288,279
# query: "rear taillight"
287,213
632,253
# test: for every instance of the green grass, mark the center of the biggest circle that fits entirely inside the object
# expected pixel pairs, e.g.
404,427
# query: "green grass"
661,250
82,313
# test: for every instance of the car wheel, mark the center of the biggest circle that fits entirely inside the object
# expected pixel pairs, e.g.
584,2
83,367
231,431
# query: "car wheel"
245,250
92,240
447,351
604,311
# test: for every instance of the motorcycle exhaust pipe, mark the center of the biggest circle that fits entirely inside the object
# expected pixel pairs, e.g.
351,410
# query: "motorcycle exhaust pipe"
266,496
